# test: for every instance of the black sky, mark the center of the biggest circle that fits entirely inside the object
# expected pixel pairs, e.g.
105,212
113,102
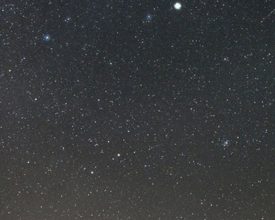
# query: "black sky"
124,110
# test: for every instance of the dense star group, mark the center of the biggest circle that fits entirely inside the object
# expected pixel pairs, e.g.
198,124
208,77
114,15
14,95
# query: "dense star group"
136,110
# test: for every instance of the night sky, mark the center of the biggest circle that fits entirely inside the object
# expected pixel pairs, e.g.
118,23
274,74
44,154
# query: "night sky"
136,110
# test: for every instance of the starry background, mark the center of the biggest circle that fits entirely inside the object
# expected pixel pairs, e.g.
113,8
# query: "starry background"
137,110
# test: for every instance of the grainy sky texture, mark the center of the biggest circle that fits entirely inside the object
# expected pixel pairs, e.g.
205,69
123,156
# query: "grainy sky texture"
137,110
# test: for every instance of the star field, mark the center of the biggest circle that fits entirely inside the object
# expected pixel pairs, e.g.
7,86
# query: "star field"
136,110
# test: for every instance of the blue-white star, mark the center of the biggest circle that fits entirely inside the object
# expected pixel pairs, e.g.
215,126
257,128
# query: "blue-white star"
46,37
149,17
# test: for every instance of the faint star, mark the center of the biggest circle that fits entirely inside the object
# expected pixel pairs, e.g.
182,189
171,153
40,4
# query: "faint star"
67,19
148,18
225,143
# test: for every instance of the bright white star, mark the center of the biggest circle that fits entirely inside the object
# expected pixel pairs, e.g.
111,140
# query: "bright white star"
177,6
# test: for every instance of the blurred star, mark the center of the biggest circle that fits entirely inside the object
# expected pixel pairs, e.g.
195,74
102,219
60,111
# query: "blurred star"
46,37
177,6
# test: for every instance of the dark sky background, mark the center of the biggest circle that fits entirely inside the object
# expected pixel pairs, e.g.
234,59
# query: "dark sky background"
136,110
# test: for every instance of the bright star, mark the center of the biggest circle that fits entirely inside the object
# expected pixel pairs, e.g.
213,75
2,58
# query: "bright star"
46,37
177,6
